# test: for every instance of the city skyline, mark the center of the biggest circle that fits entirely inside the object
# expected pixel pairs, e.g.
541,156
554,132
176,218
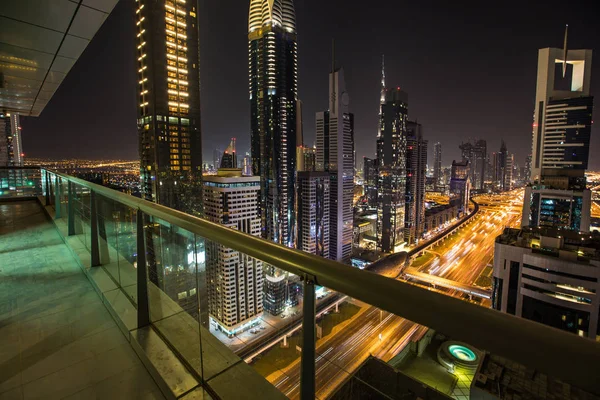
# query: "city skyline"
440,110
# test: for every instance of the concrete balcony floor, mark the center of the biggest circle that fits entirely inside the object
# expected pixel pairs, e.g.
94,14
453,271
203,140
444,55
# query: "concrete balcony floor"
57,339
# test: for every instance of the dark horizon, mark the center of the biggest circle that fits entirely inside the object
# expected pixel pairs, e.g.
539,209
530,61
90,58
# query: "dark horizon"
469,74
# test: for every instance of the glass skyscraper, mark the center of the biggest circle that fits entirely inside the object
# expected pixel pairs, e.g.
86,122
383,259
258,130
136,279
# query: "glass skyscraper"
273,91
169,103
170,143
391,182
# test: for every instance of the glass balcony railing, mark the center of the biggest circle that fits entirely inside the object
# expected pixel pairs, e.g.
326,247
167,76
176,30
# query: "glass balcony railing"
345,333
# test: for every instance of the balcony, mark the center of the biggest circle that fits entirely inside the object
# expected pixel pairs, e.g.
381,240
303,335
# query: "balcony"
93,285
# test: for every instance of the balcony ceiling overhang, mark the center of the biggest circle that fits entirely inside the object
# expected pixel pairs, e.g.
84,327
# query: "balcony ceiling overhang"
40,41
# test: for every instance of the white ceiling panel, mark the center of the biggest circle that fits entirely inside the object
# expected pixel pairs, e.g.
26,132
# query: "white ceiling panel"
40,41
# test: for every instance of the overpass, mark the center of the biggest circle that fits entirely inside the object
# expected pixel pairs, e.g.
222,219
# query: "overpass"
436,281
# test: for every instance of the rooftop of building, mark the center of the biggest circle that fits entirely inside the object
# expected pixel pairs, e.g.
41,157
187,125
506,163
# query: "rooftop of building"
562,243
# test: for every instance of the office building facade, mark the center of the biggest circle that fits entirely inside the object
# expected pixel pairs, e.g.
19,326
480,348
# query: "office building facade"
416,170
335,154
273,91
170,143
460,186
11,144
313,212
234,280
550,276
562,115
306,158
391,169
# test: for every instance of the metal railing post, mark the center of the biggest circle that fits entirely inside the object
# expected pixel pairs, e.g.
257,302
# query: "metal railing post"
56,197
142,274
47,183
71,211
307,366
94,230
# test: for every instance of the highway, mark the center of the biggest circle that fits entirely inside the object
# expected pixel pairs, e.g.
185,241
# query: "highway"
461,258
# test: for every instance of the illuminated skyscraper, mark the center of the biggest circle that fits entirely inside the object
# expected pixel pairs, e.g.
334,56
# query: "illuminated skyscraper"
170,143
416,169
169,103
476,154
273,91
313,212
235,281
563,111
11,145
335,154
391,158
229,159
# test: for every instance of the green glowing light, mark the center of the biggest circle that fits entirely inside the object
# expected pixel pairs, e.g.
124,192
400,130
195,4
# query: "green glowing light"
462,353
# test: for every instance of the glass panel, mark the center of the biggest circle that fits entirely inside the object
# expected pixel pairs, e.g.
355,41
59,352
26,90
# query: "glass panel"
172,256
107,237
19,182
64,198
125,220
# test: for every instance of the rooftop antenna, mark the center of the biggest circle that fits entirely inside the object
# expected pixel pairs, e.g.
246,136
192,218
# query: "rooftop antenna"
564,68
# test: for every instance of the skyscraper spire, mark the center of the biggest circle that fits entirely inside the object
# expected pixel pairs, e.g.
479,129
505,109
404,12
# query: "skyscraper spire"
564,68
382,98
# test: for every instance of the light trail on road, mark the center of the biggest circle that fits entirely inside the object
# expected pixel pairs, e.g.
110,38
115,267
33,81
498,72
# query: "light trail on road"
462,258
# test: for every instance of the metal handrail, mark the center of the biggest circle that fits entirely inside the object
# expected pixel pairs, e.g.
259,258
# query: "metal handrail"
557,353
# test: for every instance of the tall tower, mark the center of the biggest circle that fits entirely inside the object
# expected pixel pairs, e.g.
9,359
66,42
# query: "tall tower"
558,195
273,90
11,145
313,212
391,158
169,103
235,280
229,159
501,169
563,110
437,166
382,94
335,154
416,170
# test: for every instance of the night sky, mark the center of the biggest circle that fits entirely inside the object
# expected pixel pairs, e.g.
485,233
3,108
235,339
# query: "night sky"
470,72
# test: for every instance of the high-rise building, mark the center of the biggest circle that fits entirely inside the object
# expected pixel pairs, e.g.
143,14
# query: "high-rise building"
416,170
501,158
170,142
234,280
229,159
563,108
460,186
558,195
306,158
273,90
476,154
370,180
169,103
437,166
217,159
550,276
527,169
313,212
335,154
11,145
247,165
508,172
391,182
